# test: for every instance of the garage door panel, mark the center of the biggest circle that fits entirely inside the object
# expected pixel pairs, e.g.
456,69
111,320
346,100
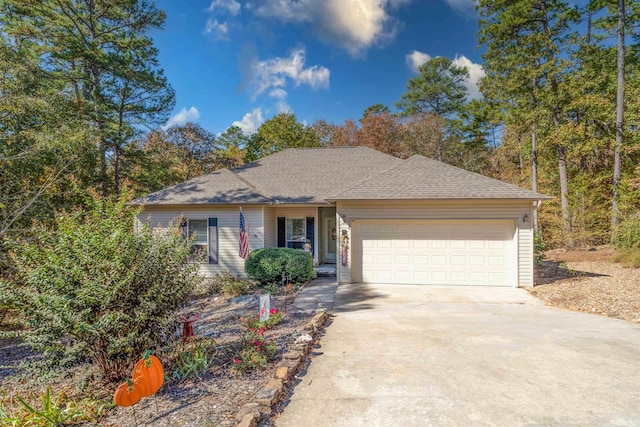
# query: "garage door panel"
437,252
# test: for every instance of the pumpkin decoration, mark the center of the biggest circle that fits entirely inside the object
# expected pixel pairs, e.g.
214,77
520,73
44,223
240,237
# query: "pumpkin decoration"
148,377
150,369
127,394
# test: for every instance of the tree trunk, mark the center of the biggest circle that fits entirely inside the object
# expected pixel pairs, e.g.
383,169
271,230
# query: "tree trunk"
617,160
534,171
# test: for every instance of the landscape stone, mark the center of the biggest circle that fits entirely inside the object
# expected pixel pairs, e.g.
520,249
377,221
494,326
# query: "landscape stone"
248,409
249,420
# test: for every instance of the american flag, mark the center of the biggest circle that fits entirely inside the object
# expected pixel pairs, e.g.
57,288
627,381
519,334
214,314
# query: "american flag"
244,237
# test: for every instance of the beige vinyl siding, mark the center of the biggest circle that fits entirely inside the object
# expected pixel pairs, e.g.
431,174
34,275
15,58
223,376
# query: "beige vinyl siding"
270,227
525,255
228,232
444,209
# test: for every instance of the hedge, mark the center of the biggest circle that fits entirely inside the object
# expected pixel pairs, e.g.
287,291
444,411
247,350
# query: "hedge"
266,265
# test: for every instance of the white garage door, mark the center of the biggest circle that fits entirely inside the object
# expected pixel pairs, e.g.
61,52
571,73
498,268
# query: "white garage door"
435,252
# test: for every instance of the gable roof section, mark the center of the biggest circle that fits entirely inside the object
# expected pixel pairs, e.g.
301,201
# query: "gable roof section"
300,176
312,175
421,178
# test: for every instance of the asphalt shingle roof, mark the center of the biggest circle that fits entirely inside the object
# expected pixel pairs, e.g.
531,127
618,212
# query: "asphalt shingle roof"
319,175
422,178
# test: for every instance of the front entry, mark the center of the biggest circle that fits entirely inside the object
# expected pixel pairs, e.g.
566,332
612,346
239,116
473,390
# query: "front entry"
329,239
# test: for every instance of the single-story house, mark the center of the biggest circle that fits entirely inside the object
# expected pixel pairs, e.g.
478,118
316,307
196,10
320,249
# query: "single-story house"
379,218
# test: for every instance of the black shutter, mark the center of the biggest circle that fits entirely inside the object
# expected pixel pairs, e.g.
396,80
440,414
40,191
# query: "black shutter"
282,232
213,240
310,231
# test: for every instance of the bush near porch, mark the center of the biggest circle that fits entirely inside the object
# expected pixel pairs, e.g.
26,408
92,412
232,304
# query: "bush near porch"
266,265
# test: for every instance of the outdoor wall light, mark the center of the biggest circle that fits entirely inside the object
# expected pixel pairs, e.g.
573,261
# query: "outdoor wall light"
525,218
343,217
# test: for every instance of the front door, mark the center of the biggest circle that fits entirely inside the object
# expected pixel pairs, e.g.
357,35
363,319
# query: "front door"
329,239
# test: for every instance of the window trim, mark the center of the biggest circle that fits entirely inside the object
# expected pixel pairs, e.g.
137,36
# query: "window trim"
190,258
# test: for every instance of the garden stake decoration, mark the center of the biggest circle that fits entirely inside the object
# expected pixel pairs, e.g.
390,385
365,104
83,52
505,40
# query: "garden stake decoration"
148,377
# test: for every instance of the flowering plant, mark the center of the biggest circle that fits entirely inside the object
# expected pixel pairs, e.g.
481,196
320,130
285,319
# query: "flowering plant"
255,351
275,318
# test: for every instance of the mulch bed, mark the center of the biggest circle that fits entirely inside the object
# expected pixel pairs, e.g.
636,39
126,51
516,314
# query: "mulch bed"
587,280
209,400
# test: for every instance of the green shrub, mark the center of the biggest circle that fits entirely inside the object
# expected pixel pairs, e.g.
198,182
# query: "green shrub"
266,265
627,234
227,284
539,247
628,257
93,288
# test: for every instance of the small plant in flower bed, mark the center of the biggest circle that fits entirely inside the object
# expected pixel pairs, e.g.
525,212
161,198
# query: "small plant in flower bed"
275,318
255,351
191,359
51,410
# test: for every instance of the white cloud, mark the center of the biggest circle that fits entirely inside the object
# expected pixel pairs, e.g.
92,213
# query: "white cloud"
220,30
462,5
183,117
274,74
229,5
476,72
280,95
354,25
415,59
250,122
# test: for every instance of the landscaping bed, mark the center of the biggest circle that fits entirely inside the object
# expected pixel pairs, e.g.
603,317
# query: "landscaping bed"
589,281
203,390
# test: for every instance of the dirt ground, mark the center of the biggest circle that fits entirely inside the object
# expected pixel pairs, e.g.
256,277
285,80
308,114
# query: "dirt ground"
587,280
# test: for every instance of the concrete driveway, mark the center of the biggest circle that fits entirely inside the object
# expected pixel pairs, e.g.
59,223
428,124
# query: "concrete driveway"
420,356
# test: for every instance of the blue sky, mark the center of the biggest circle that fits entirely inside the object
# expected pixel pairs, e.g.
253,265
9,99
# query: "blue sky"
242,62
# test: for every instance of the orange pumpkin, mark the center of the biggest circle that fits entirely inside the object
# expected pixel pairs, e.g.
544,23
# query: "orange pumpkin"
127,394
151,370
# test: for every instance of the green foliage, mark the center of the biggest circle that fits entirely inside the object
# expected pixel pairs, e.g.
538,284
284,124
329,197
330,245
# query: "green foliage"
627,234
275,318
101,54
191,359
52,411
92,287
255,351
629,258
279,133
266,265
439,88
539,247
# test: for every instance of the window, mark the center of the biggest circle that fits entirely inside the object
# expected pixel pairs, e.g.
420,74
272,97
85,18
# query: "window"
197,232
296,232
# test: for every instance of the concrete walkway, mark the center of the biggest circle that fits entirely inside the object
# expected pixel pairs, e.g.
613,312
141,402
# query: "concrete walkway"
425,356
319,293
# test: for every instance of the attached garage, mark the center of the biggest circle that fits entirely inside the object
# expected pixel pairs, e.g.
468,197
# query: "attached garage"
435,252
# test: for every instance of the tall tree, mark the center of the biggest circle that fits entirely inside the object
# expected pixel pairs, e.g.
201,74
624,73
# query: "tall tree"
44,148
438,89
102,51
525,64
279,133
617,160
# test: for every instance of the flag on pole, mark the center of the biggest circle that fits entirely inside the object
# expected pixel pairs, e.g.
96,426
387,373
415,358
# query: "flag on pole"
244,237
